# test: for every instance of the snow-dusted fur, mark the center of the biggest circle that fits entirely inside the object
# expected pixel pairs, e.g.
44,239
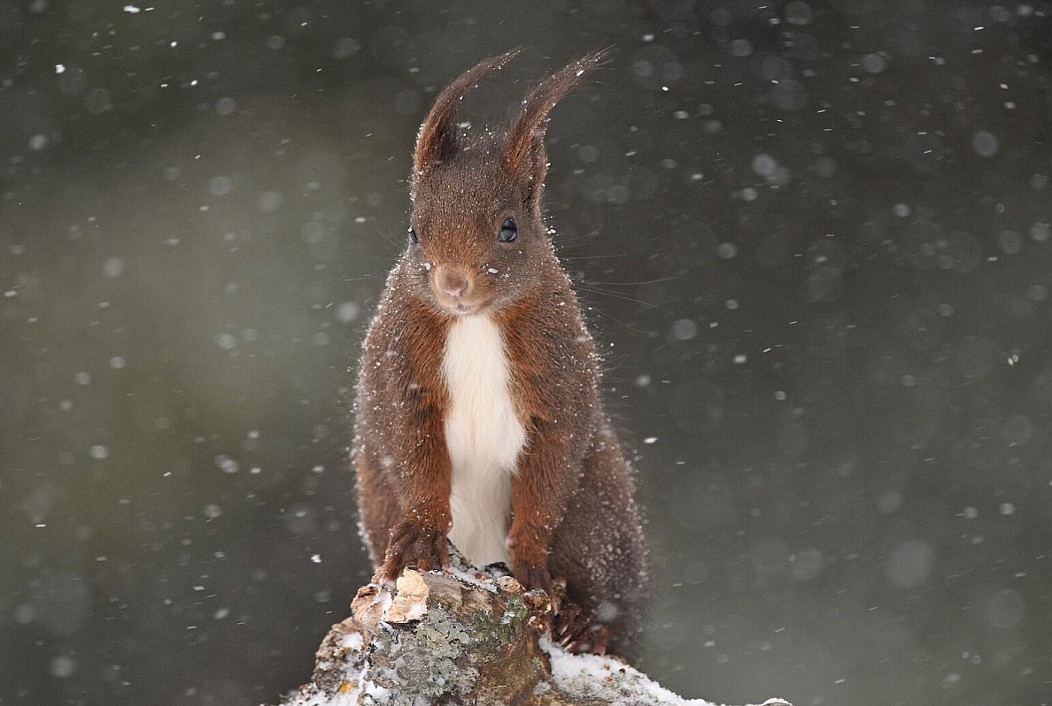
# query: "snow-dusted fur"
478,413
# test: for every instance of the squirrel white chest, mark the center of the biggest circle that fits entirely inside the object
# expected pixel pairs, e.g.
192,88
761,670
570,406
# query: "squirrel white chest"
483,436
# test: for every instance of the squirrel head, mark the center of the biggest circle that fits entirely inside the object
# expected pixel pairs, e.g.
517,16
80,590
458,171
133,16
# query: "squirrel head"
477,238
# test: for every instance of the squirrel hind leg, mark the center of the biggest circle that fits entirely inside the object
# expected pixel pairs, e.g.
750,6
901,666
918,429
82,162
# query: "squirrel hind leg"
378,512
605,562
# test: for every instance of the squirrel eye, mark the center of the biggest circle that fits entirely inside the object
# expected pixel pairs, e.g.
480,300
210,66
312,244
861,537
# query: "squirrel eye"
508,231
412,236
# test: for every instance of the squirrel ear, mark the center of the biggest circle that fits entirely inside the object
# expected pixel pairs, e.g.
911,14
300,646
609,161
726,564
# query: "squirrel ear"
524,153
437,139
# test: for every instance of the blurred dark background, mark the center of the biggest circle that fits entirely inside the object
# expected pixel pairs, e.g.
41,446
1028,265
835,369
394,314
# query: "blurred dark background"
815,237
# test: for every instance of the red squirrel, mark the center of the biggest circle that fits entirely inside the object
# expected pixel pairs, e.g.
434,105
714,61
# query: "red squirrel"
478,415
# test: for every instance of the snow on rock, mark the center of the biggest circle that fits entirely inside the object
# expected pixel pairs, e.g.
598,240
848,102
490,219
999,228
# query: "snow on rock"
612,681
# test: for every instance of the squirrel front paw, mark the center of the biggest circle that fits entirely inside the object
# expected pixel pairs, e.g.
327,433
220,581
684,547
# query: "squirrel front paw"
534,576
416,545
529,564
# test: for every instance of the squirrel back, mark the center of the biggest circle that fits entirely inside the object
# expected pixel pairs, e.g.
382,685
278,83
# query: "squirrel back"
478,416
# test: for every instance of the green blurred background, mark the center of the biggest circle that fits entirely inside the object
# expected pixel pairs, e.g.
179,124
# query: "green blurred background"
814,237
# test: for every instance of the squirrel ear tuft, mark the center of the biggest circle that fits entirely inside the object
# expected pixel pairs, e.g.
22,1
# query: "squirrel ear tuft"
524,153
437,139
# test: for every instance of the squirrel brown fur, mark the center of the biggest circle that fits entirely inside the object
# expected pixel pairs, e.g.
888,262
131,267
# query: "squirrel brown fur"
478,413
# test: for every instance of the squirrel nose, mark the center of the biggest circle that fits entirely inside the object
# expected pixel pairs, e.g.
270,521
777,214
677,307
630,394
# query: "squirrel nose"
454,288
452,283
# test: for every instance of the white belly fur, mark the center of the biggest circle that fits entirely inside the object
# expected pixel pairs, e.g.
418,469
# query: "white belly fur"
484,437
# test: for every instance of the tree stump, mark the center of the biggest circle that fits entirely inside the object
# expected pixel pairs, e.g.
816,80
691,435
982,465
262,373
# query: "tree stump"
464,637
